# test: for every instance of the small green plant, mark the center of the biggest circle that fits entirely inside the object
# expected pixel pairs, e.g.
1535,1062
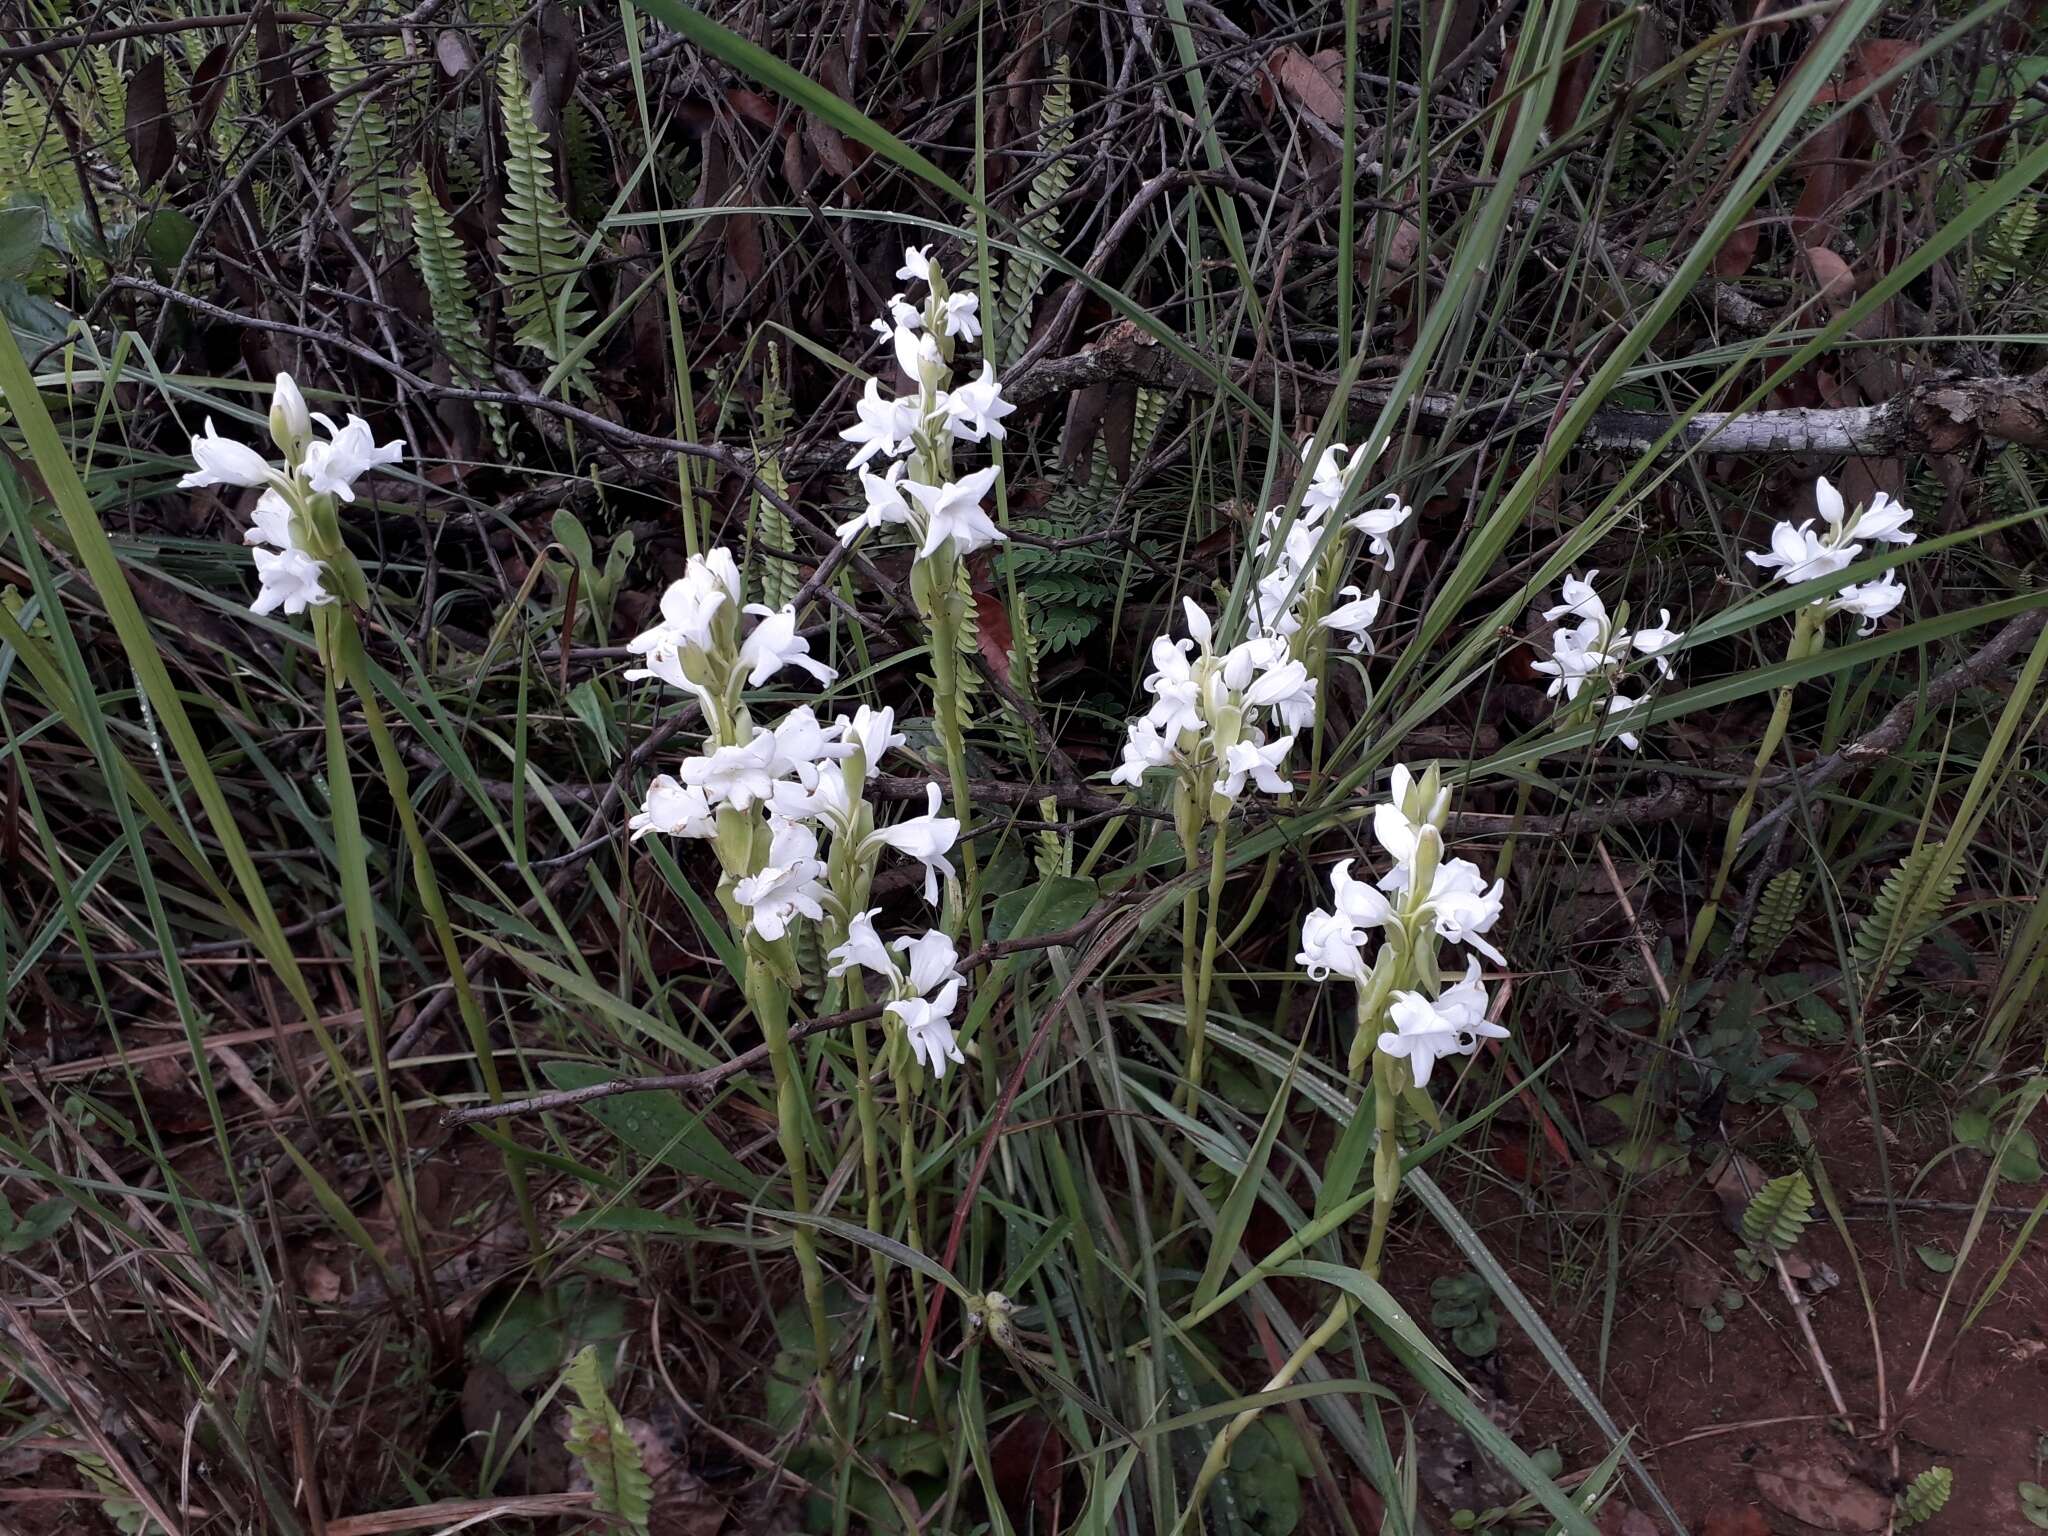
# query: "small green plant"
1924,1497
1464,1308
600,1440
1715,1314
39,1221
1779,1212
2033,1499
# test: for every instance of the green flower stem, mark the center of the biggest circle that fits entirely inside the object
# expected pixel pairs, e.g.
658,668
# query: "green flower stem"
347,644
769,999
871,1173
1808,634
1386,1163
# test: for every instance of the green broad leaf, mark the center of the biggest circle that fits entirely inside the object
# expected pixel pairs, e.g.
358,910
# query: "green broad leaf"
1934,1258
530,1334
1057,902
589,704
21,240
1236,1214
658,1126
40,1221
2021,1162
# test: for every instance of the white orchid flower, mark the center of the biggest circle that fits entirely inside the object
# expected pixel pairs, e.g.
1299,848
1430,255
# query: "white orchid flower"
885,503
917,265
872,733
1259,761
333,467
290,580
290,422
788,886
1377,522
775,644
881,426
1580,600
738,776
1330,942
1428,1029
222,461
927,838
976,409
674,809
271,522
928,1028
864,948
1869,600
953,512
1798,554
1354,618
963,316
1144,748
1462,908
1658,639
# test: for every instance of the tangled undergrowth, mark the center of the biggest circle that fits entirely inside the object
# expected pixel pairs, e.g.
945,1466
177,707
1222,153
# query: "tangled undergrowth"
927,770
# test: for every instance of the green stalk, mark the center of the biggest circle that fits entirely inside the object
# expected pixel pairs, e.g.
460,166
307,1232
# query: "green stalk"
1809,630
871,1174
770,1002
1386,1167
348,648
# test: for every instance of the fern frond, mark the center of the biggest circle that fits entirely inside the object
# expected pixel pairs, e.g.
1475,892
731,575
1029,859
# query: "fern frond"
1924,1497
1907,905
599,1439
368,152
1776,911
437,252
1039,221
776,582
1780,1212
541,267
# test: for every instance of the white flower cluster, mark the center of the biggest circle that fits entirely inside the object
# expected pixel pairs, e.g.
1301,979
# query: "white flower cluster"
922,992
1423,898
697,646
1205,721
1595,648
913,434
1298,567
1797,553
776,771
1206,708
292,550
785,806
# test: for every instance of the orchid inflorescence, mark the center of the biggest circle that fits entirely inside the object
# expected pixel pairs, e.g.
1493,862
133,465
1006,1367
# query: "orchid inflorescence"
763,795
913,434
301,561
1208,702
1798,553
1423,898
1591,654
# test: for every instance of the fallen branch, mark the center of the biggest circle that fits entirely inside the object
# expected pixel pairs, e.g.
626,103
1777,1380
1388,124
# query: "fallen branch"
1939,414
1890,732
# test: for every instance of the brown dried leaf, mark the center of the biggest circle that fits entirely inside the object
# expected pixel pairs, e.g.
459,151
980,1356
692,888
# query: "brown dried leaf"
1820,1491
152,136
1307,86
1831,276
452,49
210,86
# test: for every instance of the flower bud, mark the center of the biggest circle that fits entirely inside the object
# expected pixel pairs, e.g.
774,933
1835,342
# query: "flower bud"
291,424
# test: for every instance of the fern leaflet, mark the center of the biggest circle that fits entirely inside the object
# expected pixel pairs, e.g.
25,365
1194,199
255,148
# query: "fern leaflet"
541,267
